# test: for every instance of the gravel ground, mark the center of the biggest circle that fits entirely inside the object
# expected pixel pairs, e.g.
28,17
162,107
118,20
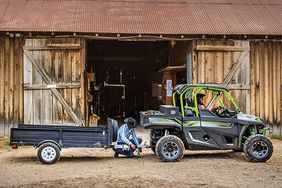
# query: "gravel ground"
98,168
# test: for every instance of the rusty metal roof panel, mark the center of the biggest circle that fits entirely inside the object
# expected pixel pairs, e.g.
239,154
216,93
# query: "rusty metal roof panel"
214,17
3,6
276,12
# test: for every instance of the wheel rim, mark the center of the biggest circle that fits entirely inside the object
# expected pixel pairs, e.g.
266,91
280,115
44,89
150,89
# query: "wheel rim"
170,150
48,153
260,149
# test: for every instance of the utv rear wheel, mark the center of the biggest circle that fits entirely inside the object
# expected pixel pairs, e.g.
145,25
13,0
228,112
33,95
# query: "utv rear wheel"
48,153
258,148
169,148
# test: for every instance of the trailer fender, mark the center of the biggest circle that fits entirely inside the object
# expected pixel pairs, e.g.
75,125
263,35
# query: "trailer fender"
45,141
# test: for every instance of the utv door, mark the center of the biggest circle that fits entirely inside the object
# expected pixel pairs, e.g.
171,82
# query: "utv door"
197,137
223,131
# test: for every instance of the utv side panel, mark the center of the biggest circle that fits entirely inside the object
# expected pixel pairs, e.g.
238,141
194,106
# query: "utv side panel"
198,139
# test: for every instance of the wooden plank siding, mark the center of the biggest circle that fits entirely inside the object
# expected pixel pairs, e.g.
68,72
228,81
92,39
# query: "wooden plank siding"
64,66
261,73
212,64
260,76
266,64
11,79
54,64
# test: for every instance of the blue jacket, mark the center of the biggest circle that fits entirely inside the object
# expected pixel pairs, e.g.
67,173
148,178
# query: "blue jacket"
127,136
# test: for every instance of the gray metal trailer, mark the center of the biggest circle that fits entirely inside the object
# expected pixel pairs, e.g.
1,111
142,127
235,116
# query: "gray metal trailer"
51,139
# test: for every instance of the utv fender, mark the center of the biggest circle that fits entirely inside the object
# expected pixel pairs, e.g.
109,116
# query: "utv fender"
244,129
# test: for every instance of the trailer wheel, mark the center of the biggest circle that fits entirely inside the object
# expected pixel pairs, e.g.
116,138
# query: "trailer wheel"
170,148
258,148
48,153
115,130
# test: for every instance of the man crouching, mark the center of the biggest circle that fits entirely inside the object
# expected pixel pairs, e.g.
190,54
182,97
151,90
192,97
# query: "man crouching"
127,136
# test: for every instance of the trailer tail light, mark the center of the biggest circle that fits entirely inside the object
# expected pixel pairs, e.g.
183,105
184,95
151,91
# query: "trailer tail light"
14,146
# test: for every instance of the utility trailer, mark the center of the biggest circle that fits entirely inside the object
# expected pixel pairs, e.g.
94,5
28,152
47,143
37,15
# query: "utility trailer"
49,140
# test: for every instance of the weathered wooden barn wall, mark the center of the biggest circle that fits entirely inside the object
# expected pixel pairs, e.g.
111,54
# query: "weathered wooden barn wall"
266,82
24,95
54,81
256,85
213,62
178,52
11,78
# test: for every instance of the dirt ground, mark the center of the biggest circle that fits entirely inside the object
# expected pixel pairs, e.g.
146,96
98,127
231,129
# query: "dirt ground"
98,168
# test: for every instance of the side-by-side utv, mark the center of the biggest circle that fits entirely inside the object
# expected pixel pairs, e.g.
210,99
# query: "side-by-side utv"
220,125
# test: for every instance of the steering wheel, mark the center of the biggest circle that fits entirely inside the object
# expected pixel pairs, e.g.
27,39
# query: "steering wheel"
223,112
218,111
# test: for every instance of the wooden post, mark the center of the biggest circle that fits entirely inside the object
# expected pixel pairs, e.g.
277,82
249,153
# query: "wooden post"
189,68
168,82
2,86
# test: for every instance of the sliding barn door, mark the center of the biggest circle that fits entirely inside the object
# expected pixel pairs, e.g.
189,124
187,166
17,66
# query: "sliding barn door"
54,81
226,63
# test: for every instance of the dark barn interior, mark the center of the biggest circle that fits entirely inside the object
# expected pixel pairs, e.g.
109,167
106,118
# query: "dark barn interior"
125,76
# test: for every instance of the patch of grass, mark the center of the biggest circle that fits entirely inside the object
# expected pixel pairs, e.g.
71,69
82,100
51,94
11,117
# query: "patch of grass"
276,137
4,142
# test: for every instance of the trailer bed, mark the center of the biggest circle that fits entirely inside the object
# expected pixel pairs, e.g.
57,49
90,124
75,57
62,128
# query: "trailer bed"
64,136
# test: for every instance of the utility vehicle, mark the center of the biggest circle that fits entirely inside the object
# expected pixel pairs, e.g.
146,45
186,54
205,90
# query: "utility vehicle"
219,126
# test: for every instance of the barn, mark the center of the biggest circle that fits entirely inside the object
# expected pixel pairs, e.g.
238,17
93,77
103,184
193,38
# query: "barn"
70,61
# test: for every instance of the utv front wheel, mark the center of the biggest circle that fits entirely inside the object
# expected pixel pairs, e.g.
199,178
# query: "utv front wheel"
258,148
169,148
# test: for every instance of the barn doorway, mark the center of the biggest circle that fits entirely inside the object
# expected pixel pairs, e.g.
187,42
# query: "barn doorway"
123,76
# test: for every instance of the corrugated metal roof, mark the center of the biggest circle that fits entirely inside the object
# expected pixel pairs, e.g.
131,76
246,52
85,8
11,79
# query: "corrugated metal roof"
214,17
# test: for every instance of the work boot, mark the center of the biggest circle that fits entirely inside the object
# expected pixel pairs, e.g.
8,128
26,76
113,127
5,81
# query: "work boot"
116,155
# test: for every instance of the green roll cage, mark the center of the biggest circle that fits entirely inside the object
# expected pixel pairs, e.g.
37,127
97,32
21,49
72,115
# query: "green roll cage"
198,89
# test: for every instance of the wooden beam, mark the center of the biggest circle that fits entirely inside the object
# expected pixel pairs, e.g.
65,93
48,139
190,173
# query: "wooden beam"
222,48
235,67
45,48
52,86
56,93
238,87
117,59
173,69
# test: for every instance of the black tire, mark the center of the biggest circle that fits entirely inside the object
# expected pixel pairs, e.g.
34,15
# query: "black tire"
170,148
238,150
155,135
153,148
258,148
48,153
115,130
